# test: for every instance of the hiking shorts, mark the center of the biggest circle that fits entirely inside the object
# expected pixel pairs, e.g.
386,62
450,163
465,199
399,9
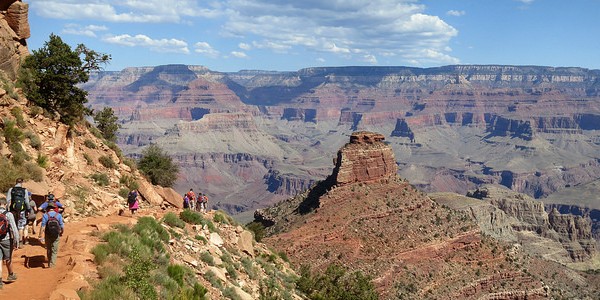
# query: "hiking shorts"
5,250
22,221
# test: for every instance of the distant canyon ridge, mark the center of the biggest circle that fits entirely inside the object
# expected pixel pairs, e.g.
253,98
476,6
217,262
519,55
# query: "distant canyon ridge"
251,138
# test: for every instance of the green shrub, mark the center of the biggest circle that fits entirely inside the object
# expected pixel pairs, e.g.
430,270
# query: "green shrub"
124,192
172,220
191,217
90,144
12,134
130,163
207,258
42,160
95,132
258,229
17,112
88,159
334,283
129,182
107,162
35,172
177,272
34,140
9,174
19,156
201,238
158,166
35,111
107,123
100,178
220,218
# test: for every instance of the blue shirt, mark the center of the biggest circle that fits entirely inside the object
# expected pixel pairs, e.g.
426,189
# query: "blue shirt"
53,214
45,205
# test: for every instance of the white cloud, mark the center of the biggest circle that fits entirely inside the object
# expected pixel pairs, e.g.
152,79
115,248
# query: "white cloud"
371,59
320,59
349,29
239,54
206,49
134,11
244,46
526,1
89,30
140,40
456,13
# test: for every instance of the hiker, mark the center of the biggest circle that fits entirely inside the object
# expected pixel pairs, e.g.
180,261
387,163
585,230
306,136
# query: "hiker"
191,196
17,199
205,202
132,201
31,221
53,227
199,202
50,198
186,201
9,240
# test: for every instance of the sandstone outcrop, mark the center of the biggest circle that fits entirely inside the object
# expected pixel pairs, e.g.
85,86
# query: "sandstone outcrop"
365,158
14,29
573,232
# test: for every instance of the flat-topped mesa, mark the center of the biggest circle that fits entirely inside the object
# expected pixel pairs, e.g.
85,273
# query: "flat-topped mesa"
365,158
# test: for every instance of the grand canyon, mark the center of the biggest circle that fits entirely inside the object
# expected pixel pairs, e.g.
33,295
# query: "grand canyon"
251,138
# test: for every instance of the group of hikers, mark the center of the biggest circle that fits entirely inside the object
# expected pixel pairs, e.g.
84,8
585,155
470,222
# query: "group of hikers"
18,214
195,202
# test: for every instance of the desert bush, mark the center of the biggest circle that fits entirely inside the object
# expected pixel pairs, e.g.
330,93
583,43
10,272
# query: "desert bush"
334,283
95,132
172,220
129,182
35,172
90,144
107,162
258,229
130,163
17,112
88,159
191,217
35,111
158,166
42,160
207,258
124,192
100,178
12,134
34,140
9,174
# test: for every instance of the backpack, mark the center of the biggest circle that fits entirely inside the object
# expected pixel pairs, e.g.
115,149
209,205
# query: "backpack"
3,223
17,199
186,202
53,226
132,197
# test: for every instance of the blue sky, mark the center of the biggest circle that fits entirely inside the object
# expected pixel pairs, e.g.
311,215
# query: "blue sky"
232,35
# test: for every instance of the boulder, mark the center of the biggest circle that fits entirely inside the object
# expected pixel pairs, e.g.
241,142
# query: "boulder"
245,242
17,18
170,196
148,192
242,294
216,239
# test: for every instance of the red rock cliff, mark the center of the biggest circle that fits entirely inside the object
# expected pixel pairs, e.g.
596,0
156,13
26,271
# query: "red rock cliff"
365,158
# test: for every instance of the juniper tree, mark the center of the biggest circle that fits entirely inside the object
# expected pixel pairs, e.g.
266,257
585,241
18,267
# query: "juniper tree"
50,75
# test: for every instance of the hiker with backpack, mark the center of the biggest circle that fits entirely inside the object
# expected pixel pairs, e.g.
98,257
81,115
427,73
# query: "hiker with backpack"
50,198
9,240
186,201
199,202
53,227
191,197
17,199
132,201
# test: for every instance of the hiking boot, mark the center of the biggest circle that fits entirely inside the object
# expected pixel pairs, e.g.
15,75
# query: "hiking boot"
12,277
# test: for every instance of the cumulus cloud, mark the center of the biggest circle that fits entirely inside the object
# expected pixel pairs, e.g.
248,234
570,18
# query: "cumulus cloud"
136,11
351,29
157,45
526,1
239,54
89,30
456,13
244,46
348,29
206,49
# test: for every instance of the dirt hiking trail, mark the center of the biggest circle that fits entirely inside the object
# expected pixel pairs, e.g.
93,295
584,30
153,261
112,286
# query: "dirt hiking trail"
75,262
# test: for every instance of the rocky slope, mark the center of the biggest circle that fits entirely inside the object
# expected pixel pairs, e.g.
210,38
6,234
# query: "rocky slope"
532,129
413,247
516,217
